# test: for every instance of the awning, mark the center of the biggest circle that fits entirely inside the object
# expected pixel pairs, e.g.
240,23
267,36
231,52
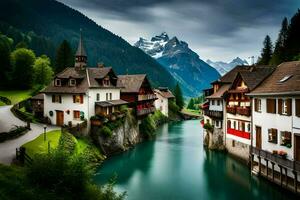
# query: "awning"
111,103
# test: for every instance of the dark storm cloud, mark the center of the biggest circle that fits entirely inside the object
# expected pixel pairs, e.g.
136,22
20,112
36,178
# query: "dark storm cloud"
203,23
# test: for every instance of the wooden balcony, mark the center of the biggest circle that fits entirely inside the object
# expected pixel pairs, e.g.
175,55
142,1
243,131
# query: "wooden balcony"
243,111
231,110
238,133
290,164
214,114
145,111
143,97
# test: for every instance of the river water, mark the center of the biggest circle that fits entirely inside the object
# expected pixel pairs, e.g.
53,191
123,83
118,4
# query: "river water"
175,166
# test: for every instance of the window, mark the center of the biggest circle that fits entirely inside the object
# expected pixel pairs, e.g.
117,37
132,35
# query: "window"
78,99
285,107
257,105
298,107
228,124
56,98
243,126
110,96
218,102
72,82
271,106
286,139
272,135
76,114
98,97
212,102
249,127
57,82
234,125
106,96
285,78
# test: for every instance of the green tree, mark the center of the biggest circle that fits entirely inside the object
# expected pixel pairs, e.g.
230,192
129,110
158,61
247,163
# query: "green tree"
64,57
293,38
42,71
22,61
191,104
178,96
266,52
22,44
279,54
5,65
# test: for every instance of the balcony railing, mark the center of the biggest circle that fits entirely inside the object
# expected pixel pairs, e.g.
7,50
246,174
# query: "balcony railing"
143,97
238,133
214,114
294,165
243,111
231,110
145,111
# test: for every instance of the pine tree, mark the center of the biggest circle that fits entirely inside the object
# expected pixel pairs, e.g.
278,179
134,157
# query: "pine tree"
279,55
293,38
22,62
5,66
267,51
64,57
191,104
178,96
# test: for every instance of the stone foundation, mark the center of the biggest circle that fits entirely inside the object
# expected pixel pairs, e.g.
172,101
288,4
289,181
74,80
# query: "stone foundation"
214,141
238,149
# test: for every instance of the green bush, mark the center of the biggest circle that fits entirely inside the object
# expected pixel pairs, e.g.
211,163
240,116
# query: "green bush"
148,127
14,133
208,127
67,142
105,131
124,108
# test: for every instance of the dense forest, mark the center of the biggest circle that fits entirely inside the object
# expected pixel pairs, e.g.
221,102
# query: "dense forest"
287,45
44,24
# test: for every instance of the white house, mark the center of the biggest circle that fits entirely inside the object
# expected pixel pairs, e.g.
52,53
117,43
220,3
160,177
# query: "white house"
79,92
163,96
276,120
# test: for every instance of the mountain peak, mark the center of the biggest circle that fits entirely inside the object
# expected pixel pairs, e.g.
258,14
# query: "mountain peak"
162,37
224,67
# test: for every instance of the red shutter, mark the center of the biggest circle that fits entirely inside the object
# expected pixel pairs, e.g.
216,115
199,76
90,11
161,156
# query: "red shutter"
289,107
280,106
81,99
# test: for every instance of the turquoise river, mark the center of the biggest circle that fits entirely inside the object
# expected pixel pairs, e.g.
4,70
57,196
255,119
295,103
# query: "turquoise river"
175,166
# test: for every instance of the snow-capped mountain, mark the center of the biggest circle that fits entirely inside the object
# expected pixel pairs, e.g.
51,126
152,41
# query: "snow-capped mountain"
184,64
224,67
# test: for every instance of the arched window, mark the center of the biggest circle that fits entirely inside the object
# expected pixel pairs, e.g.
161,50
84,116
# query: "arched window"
228,124
234,125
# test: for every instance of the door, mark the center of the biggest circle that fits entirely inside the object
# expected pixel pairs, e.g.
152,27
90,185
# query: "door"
258,137
59,118
297,148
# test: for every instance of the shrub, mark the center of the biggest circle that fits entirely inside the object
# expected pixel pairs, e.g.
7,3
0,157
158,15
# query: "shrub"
106,132
148,127
67,142
208,127
15,132
124,108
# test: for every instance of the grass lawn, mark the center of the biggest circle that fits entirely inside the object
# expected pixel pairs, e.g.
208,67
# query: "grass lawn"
40,146
15,95
192,111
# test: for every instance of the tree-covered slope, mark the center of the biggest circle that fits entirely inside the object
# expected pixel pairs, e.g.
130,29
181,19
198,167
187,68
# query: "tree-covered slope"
57,22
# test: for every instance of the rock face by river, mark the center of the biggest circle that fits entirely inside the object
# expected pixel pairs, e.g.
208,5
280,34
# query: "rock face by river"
214,140
123,138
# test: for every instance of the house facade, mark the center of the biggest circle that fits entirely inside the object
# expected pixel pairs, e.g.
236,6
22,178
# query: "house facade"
137,91
276,122
163,96
78,93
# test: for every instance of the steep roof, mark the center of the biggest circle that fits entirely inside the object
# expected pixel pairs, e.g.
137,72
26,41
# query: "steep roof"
39,96
220,92
284,80
80,49
131,83
86,78
165,92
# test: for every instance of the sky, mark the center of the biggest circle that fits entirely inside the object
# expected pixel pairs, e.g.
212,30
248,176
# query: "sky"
219,30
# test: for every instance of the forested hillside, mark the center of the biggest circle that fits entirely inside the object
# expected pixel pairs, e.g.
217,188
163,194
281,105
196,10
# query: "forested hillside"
50,22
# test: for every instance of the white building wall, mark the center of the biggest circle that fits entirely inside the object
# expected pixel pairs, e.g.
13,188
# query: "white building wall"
65,105
280,122
216,107
161,103
236,119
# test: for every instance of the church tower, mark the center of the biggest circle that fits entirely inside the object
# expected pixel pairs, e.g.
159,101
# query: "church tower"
80,57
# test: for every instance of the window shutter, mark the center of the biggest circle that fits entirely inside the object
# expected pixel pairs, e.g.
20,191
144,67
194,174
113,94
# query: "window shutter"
289,107
74,98
81,99
271,105
280,106
256,105
53,98
59,98
298,107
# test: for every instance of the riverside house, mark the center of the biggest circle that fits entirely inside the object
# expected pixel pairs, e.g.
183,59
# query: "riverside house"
137,91
162,102
276,126
78,93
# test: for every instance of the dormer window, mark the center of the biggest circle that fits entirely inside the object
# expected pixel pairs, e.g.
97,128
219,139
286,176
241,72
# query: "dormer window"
72,82
106,81
57,82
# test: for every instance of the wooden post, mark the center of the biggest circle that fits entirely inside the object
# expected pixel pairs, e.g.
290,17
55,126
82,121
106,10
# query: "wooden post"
267,162
295,181
286,177
259,165
272,171
280,175
22,155
252,160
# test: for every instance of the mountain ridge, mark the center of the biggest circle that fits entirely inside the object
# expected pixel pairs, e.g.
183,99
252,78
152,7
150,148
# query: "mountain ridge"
224,67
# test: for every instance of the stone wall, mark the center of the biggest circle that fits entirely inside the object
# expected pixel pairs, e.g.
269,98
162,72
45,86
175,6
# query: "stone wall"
238,149
214,140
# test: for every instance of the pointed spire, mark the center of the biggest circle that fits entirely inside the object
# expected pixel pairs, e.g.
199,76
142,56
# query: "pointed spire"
80,50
